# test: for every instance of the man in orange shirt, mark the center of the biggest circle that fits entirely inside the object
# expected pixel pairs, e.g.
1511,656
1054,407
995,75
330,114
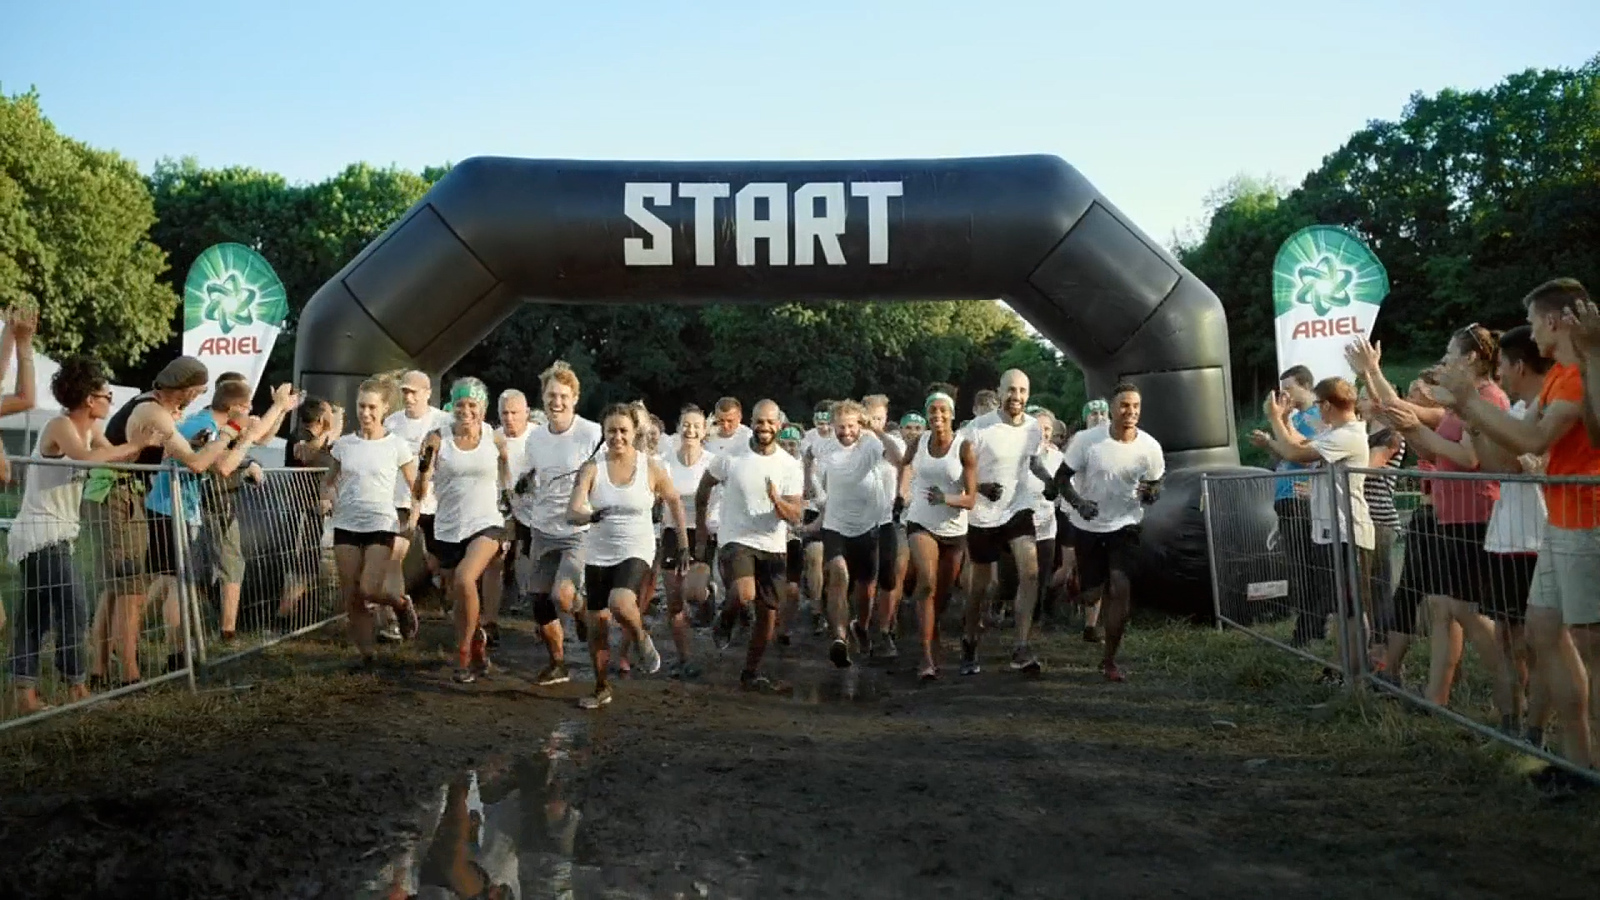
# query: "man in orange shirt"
1563,602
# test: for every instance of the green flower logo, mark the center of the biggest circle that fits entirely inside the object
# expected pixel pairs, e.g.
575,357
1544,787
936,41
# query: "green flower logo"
231,285
230,302
1324,285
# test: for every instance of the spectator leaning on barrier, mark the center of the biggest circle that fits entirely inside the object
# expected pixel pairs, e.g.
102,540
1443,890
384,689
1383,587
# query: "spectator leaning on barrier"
45,531
1563,605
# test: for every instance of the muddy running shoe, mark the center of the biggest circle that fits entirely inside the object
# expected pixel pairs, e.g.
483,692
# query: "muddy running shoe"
555,673
410,623
1330,676
929,672
492,632
1090,636
649,657
1023,660
465,675
479,658
390,634
969,658
684,671
756,683
819,625
722,632
600,697
884,649
839,653
863,641
783,640
1112,673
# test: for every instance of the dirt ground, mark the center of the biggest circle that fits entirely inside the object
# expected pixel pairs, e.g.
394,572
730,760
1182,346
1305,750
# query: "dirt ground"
1219,769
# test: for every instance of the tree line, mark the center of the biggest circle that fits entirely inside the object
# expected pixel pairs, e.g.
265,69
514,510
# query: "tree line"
1469,198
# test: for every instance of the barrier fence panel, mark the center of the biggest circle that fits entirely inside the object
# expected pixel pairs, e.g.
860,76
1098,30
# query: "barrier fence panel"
1432,602
88,588
1275,584
261,561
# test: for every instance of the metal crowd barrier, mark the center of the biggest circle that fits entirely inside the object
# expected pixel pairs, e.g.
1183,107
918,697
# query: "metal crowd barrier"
1432,614
101,597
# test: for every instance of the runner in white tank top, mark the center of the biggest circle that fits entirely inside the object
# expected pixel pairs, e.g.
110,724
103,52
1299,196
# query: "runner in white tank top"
614,494
364,471
466,467
686,466
499,579
941,475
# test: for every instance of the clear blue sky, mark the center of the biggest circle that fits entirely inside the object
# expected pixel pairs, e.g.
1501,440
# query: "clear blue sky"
1157,102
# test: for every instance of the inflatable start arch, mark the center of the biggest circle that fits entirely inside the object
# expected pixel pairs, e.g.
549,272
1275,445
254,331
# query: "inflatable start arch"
498,232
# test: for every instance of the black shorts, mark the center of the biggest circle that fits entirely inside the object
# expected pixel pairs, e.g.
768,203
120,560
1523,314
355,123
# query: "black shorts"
1102,552
363,539
959,540
987,544
424,526
667,548
890,541
1321,597
1505,597
600,581
451,553
160,557
1447,561
860,553
768,570
807,518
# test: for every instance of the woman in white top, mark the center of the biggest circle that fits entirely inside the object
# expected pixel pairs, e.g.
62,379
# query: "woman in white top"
615,494
1044,514
686,465
364,468
941,477
45,530
470,472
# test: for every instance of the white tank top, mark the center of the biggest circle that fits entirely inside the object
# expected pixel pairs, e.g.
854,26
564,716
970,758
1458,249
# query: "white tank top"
686,479
467,485
49,511
626,531
944,473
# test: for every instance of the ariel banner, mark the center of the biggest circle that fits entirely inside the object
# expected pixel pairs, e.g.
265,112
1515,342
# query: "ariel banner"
233,307
1326,289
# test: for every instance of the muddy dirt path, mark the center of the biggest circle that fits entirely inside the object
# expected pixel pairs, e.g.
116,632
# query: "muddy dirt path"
859,783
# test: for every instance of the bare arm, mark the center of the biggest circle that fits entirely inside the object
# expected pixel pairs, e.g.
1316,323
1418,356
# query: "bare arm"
790,509
667,493
702,500
1589,367
578,511
329,480
60,436
237,454
902,483
1289,444
1534,434
969,480
150,419
18,338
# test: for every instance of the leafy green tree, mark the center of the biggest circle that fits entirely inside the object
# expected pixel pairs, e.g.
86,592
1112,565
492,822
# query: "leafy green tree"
75,241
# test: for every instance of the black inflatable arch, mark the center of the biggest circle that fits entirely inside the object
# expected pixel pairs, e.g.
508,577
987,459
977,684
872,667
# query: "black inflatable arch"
497,232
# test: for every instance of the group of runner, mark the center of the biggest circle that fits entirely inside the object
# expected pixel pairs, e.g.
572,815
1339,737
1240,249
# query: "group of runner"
853,509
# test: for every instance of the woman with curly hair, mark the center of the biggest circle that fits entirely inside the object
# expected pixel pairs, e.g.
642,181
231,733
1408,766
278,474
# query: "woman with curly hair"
46,528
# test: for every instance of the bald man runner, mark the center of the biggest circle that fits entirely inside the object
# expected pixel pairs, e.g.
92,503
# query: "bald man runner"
1004,442
761,499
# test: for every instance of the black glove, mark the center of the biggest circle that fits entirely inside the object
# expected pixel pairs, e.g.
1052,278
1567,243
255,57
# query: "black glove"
598,514
1086,509
990,490
1050,493
505,504
1149,492
525,483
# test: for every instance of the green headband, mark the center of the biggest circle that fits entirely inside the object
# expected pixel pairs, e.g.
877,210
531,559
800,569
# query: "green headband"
821,418
1096,406
790,433
936,397
469,390
1033,410
912,418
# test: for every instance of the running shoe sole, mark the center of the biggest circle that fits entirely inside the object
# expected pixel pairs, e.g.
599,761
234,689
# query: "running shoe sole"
839,653
553,679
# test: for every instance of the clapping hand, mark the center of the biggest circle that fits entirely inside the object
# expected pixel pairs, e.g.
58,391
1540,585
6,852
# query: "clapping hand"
1259,438
1458,385
1276,406
1583,323
1402,416
1362,356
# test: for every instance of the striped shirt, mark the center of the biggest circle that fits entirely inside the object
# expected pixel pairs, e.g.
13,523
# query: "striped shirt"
1379,490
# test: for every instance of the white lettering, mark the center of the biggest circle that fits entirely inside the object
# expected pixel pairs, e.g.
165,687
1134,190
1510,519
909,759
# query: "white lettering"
821,218
877,194
811,229
635,251
705,218
774,229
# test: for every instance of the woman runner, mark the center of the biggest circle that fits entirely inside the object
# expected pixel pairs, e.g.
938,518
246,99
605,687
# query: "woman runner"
686,465
941,474
470,471
363,470
1044,515
615,493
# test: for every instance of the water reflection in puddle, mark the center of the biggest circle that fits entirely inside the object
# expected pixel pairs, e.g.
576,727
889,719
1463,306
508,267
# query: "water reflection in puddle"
853,685
504,831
